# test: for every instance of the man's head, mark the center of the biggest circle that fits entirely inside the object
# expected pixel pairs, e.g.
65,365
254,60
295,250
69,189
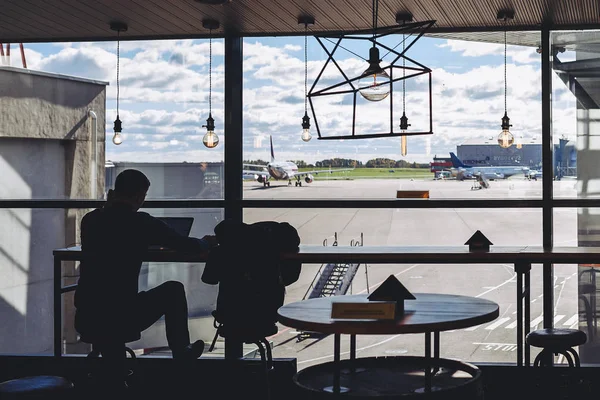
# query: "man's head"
131,187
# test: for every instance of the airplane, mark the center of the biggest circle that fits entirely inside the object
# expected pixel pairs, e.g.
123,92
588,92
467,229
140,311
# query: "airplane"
462,171
282,170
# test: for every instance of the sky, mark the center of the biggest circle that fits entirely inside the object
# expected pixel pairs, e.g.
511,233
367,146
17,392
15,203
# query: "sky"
164,96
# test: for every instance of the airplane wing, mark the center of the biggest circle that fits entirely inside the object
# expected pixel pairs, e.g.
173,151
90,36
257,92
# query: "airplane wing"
321,171
252,173
255,166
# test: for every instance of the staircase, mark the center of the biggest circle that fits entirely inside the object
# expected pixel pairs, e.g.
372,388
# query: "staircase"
334,280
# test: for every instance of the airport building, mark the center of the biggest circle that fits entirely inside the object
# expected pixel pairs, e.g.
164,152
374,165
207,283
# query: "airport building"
486,152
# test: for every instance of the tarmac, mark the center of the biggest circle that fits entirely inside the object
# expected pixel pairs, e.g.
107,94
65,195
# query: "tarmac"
491,342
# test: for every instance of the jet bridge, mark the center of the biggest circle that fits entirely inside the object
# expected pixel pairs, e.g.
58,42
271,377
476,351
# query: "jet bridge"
332,280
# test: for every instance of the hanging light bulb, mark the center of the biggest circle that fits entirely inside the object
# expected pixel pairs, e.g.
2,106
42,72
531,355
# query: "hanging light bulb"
505,138
403,119
306,136
210,139
117,138
403,128
374,85
119,27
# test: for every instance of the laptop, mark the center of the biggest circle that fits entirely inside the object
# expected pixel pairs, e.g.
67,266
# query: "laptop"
182,225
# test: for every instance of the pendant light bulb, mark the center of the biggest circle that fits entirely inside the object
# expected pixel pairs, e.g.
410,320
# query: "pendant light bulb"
306,136
210,139
374,85
505,138
403,145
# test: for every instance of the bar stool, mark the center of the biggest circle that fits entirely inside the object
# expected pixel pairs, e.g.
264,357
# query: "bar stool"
113,353
37,387
248,335
556,341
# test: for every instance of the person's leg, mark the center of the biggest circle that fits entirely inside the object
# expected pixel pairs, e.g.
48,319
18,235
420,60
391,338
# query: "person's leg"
167,299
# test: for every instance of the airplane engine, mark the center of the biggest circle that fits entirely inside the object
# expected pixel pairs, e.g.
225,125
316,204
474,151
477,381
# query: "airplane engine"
308,179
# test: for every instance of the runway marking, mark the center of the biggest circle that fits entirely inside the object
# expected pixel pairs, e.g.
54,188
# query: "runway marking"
496,346
380,282
557,318
497,323
536,321
572,320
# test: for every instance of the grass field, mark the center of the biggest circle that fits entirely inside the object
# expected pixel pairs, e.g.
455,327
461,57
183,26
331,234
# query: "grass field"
380,173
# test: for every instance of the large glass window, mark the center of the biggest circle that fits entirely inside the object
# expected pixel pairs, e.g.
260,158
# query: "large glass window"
468,104
64,140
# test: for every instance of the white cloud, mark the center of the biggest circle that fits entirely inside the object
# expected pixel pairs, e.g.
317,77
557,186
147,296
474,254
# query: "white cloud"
519,54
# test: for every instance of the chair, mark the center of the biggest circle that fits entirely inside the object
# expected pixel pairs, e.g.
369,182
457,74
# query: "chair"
556,341
37,387
250,335
115,351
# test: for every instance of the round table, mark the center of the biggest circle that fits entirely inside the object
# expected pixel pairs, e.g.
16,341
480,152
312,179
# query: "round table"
427,313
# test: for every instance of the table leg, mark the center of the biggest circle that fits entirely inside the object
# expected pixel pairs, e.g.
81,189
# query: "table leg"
352,348
523,316
57,306
336,388
428,369
527,294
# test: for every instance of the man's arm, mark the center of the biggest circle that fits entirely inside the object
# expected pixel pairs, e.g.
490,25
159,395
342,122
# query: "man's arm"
161,234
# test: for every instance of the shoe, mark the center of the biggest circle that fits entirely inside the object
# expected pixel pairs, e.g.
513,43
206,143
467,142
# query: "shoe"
190,352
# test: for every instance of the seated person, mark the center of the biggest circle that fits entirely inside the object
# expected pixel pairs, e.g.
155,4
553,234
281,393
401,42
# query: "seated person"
110,310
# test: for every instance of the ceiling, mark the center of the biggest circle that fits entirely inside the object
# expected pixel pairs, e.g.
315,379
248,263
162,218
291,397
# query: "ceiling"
89,20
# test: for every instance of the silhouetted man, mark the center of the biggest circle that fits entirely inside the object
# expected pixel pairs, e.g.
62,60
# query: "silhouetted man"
109,307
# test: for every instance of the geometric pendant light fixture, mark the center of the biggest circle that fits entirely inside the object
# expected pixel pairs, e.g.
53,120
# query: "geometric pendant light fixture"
375,83
306,21
210,139
118,27
505,139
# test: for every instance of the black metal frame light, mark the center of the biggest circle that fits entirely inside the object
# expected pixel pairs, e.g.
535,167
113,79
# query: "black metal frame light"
118,128
210,139
415,30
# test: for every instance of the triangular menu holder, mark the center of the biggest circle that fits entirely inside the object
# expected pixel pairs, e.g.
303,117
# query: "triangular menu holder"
478,242
392,290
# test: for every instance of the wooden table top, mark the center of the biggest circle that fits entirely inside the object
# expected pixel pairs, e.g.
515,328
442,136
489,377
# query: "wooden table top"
429,312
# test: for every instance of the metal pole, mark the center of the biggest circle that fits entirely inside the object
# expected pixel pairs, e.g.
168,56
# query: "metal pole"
233,147
547,182
57,283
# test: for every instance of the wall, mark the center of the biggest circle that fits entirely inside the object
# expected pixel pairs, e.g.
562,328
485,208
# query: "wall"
45,153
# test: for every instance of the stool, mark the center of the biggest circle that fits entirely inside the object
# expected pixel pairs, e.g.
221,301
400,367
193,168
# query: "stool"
248,335
37,387
101,348
556,341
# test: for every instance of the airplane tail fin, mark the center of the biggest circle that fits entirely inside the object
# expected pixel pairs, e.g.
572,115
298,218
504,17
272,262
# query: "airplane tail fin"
272,152
456,163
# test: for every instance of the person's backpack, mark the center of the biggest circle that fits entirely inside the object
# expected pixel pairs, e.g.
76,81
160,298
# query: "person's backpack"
250,275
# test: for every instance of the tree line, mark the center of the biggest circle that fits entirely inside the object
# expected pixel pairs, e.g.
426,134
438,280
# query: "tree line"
349,163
